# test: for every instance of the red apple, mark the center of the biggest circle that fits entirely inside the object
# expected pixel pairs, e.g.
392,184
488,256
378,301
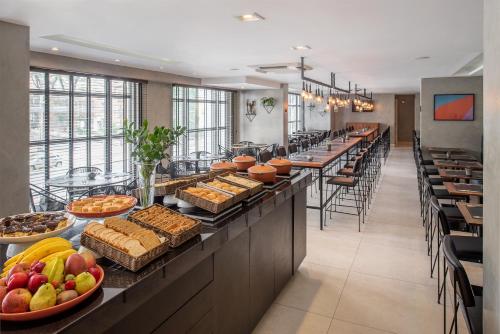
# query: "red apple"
20,267
69,285
3,281
95,272
35,281
16,301
3,292
17,280
37,267
89,259
75,265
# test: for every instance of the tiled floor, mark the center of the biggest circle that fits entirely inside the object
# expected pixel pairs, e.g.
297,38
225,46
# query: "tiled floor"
372,282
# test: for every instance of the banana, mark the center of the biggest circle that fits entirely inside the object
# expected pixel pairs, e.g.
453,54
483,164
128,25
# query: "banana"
44,251
54,269
13,259
62,254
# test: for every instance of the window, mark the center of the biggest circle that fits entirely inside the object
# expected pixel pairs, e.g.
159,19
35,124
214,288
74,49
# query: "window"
77,120
294,113
207,116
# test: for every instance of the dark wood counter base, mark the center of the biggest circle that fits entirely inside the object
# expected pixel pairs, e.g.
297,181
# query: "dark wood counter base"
221,282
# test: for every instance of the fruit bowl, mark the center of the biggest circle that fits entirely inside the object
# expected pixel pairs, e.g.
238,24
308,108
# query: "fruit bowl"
33,315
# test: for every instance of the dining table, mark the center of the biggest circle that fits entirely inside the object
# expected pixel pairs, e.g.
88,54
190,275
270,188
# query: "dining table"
322,160
446,149
473,215
460,174
458,164
197,158
453,156
366,134
464,189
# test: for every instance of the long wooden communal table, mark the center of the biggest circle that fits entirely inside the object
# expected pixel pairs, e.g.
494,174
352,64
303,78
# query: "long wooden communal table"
458,164
451,174
367,135
324,160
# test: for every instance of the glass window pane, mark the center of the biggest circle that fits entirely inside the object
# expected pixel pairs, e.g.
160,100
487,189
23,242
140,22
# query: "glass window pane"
80,119
80,84
116,87
98,153
58,159
59,82
98,116
37,117
97,85
59,117
116,116
117,155
37,165
80,154
37,80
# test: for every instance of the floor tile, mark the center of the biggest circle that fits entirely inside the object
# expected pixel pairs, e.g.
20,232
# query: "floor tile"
314,288
280,319
343,327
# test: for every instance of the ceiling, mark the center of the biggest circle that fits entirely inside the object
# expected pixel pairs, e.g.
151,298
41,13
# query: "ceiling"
373,43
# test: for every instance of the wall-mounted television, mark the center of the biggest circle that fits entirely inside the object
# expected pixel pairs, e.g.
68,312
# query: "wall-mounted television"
454,107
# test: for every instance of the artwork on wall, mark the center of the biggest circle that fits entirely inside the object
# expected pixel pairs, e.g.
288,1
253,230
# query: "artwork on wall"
454,107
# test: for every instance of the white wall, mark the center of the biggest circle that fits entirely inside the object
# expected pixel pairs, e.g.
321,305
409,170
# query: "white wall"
266,128
491,300
14,115
384,113
451,133
317,119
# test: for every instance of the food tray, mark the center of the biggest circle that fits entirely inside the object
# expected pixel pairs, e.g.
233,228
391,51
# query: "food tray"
209,217
236,197
96,215
37,236
121,257
169,187
253,190
174,240
204,203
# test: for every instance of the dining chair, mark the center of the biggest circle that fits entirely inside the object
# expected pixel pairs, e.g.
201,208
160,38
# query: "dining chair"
292,149
83,170
467,297
47,201
265,156
281,151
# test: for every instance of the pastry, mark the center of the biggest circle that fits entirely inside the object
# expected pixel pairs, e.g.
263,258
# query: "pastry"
30,224
100,204
164,219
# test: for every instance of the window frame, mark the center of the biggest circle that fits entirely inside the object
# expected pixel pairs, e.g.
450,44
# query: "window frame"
180,107
132,98
297,110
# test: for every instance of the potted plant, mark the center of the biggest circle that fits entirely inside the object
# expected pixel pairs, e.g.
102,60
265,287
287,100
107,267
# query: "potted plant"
148,149
268,103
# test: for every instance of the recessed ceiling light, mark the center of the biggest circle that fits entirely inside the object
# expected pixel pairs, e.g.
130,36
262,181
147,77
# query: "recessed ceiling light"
161,67
54,49
250,17
301,47
423,58
117,60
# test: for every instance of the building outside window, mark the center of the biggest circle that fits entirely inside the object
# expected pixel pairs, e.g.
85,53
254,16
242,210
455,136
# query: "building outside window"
77,120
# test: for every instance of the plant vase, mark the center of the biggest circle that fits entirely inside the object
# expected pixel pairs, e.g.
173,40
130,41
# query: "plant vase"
146,172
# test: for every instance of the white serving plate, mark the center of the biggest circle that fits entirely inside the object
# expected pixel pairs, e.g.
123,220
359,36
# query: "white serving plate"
39,236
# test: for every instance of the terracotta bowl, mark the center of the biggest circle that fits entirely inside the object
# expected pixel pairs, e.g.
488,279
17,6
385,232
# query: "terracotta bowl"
283,166
226,166
263,173
243,162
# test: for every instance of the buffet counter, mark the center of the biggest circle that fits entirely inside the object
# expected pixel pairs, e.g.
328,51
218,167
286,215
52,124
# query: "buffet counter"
221,281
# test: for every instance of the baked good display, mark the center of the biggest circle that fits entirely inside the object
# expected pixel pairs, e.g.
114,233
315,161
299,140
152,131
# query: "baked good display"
226,187
101,205
164,219
207,194
124,235
32,224
241,180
